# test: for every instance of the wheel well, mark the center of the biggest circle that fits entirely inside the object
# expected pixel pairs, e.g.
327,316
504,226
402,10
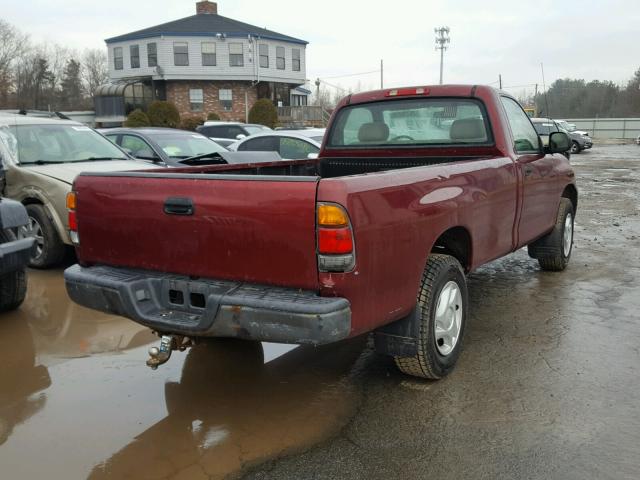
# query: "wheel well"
571,193
31,201
455,242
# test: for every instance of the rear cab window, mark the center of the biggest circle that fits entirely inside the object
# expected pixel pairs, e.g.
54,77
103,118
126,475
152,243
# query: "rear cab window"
411,122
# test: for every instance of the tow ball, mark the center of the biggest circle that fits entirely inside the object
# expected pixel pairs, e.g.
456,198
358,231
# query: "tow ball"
168,343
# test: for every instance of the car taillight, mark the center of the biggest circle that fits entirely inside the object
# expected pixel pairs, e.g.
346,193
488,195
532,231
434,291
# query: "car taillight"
403,92
73,219
335,239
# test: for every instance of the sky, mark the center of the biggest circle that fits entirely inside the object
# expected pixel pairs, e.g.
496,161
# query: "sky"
572,38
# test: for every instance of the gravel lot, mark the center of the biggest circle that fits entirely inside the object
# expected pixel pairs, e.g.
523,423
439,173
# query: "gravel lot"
547,385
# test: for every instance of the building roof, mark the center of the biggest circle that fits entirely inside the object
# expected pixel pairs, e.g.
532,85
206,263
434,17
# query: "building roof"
205,25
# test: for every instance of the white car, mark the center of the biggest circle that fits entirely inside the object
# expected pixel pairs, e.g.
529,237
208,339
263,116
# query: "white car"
638,140
571,128
290,144
225,133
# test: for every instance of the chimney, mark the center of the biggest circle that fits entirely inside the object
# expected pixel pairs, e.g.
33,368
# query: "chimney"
205,7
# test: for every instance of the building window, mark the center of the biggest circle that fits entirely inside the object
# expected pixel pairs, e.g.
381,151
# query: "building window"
134,56
280,58
152,54
226,99
196,99
264,55
181,54
236,57
118,64
295,59
208,54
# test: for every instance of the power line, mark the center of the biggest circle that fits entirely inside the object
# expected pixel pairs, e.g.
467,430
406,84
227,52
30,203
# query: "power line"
352,74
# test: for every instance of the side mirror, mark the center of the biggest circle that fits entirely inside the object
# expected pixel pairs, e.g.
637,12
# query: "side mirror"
559,142
240,136
312,156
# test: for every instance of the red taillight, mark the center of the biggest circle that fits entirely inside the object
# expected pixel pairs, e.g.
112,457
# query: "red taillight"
73,221
403,92
335,241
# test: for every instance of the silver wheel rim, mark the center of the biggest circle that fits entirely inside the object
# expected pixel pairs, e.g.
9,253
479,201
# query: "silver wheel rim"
567,238
33,229
448,318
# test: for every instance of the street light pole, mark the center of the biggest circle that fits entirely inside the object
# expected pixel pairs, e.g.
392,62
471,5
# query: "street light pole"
442,40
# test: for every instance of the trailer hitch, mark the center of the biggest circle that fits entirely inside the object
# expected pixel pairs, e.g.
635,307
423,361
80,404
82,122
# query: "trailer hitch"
168,343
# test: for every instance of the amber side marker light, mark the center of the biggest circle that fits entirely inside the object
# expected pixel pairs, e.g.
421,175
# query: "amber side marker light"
73,220
335,239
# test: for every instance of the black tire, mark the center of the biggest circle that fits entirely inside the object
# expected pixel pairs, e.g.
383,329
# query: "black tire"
550,250
575,147
430,362
13,285
50,250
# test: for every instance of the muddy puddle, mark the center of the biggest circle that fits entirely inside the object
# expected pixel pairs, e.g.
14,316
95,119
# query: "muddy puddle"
77,401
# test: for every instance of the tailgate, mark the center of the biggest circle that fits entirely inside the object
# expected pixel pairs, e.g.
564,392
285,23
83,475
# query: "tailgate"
255,229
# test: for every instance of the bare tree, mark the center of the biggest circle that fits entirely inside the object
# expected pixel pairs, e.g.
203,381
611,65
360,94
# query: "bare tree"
95,70
13,44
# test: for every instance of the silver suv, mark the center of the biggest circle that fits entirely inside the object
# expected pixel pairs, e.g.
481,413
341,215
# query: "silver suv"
226,133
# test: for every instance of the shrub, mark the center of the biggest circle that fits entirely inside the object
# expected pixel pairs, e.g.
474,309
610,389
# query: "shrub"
190,123
264,112
213,116
163,114
137,118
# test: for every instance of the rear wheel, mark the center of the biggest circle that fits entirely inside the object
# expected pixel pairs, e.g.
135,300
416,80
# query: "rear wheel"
49,249
442,303
13,285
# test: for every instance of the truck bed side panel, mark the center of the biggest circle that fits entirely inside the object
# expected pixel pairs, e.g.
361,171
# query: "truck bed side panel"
398,215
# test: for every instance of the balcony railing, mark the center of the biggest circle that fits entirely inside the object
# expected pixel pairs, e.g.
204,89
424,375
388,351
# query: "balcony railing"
307,115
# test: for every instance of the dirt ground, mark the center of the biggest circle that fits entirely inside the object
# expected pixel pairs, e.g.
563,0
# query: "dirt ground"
548,385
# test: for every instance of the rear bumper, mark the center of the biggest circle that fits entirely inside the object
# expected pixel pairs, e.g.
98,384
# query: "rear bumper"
15,255
211,308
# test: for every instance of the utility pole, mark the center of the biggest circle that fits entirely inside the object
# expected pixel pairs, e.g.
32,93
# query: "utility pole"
500,80
318,91
544,89
442,40
381,74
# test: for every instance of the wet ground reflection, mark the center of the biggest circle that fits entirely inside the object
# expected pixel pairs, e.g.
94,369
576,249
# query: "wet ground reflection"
76,399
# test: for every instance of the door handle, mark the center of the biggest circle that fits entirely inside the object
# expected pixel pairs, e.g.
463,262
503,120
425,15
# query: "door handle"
178,206
528,170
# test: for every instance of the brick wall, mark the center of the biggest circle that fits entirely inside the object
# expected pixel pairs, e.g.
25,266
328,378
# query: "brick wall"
178,93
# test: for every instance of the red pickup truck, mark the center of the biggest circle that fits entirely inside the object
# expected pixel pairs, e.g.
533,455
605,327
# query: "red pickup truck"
412,189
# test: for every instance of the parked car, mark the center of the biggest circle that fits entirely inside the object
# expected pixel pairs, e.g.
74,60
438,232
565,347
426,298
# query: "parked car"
166,146
376,234
571,128
546,126
14,253
41,157
638,140
580,140
225,133
290,144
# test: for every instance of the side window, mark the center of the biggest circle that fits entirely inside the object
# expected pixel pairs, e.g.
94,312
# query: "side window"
259,144
233,132
138,147
525,137
112,138
294,148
